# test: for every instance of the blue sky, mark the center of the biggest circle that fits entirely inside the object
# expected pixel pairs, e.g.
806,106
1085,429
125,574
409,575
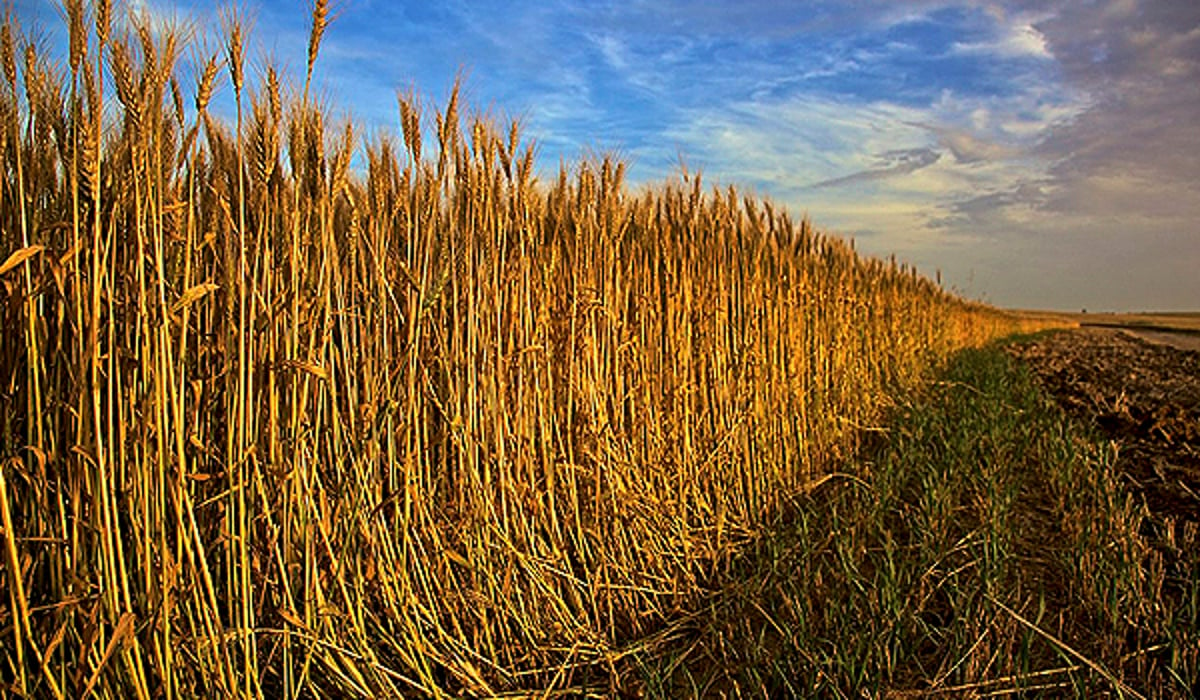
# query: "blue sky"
1040,154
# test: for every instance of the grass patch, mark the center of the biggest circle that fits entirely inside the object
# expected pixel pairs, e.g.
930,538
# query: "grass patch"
983,547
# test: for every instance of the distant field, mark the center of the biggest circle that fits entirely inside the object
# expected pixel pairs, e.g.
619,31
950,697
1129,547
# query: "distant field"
1175,322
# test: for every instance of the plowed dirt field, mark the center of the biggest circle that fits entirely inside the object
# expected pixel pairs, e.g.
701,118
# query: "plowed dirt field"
1141,393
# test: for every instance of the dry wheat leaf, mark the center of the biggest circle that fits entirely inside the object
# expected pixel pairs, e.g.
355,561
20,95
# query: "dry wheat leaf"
71,252
20,256
312,368
194,294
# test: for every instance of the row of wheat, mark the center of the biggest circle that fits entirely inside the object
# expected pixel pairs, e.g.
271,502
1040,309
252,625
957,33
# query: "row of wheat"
275,423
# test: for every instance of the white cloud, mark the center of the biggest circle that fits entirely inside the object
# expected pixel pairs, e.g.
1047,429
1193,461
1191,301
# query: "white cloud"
1015,40
613,50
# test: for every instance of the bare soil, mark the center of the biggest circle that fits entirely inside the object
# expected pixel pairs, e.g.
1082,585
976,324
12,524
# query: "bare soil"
1139,389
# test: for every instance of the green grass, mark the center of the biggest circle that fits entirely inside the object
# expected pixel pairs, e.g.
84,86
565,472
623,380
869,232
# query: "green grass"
981,545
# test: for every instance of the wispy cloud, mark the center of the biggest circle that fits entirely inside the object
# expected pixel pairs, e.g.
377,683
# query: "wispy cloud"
967,147
899,162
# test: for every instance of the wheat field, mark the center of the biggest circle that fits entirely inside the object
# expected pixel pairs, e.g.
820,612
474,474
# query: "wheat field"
290,412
